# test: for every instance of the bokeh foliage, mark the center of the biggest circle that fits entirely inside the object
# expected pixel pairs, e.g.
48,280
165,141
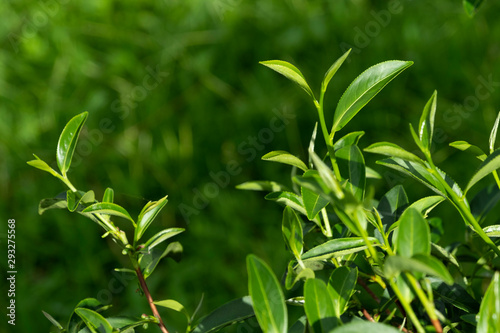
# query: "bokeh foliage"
210,100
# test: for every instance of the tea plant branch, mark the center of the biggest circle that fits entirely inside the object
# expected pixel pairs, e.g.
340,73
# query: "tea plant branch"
145,289
463,209
428,305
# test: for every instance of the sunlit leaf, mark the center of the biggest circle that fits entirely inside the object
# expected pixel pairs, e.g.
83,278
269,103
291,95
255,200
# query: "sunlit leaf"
471,149
351,160
94,321
337,248
364,88
262,185
290,72
162,236
285,158
472,6
292,232
110,209
147,215
343,281
313,202
332,70
42,165
67,141
426,124
392,150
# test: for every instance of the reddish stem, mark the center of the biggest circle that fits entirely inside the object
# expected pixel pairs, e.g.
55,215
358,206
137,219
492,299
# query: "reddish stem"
152,305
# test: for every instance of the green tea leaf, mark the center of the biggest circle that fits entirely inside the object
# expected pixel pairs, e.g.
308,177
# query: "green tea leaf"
289,199
42,165
149,260
162,236
227,314
75,199
313,202
292,232
424,206
348,140
285,158
292,277
364,88
312,181
414,235
52,203
52,320
333,69
290,72
484,201
392,205
392,150
312,143
372,174
492,230
337,248
319,306
489,312
455,295
351,159
493,134
75,321
110,209
94,321
262,185
490,164
109,195
426,124
358,326
327,176
67,141
147,215
472,6
416,171
343,281
420,263
174,305
267,296
471,149
299,326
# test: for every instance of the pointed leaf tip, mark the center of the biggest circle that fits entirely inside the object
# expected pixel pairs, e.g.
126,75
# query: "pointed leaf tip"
290,72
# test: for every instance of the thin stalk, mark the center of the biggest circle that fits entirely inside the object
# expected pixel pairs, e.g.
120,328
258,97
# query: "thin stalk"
429,306
328,229
497,180
327,136
409,311
145,289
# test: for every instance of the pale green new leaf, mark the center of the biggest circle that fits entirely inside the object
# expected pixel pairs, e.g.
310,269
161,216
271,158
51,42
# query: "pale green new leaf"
490,164
426,124
288,199
284,157
292,232
348,139
67,141
364,88
261,185
489,312
333,69
267,296
42,165
174,305
471,6
109,195
493,135
467,147
290,72
52,320
392,150
110,209
492,230
147,215
162,236
327,176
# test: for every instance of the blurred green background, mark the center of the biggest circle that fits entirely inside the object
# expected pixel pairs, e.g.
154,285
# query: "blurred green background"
176,96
